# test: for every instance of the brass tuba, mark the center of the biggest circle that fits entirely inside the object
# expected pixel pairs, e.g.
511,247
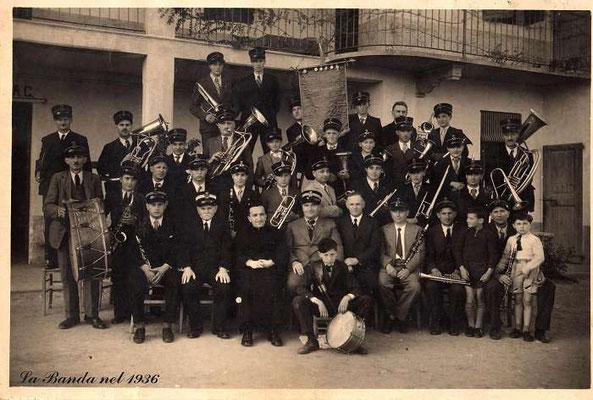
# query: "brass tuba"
282,212
213,105
255,116
233,153
147,142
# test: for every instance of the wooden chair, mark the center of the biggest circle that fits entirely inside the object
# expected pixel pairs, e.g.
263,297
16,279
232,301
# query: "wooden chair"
161,303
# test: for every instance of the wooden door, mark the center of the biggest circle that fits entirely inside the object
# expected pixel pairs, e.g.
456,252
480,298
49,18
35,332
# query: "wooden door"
563,194
21,157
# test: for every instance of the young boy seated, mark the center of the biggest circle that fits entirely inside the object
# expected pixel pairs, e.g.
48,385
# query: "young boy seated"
263,170
526,275
342,294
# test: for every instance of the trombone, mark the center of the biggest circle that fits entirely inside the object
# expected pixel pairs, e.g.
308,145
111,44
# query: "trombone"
213,105
425,208
508,188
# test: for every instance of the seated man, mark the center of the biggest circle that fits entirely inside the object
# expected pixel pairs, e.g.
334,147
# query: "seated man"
261,257
441,239
400,269
304,234
328,289
155,260
208,244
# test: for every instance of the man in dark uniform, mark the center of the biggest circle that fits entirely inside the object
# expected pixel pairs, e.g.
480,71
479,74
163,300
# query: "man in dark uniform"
208,241
187,191
260,90
109,164
261,259
156,261
219,87
360,121
366,147
401,152
500,226
78,185
272,198
178,160
415,191
294,132
158,178
443,113
504,155
126,208
456,161
373,188
51,160
388,135
474,195
441,239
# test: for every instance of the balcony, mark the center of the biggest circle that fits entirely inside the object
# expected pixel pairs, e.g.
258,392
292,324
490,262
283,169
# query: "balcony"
131,19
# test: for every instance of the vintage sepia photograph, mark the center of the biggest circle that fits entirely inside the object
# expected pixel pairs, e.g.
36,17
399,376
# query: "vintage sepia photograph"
299,198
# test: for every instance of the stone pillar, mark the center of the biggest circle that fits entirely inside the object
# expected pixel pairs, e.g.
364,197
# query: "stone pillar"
158,77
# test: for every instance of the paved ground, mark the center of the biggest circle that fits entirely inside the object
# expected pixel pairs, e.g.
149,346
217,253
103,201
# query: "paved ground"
414,360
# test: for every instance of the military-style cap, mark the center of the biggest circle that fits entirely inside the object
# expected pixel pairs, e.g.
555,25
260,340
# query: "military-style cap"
75,150
225,114
311,196
177,135
360,97
257,53
156,196
157,159
199,161
129,168
445,203
373,159
123,115
474,167
366,135
398,205
61,110
281,167
455,140
239,166
404,123
332,123
416,165
443,108
274,133
215,57
320,163
205,199
510,125
498,203
293,102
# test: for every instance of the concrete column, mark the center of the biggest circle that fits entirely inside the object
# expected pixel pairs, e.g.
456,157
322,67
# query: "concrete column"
158,77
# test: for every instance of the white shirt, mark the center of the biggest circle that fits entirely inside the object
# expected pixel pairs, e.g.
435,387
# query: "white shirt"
63,135
175,156
402,237
402,144
371,183
276,154
363,118
123,195
214,77
444,228
72,175
356,219
332,146
154,183
502,231
280,188
261,76
443,132
124,141
238,190
470,188
207,223
509,150
197,186
314,220
160,221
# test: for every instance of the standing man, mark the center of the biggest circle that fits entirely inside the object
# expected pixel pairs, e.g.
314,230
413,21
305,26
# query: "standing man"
260,90
178,160
443,113
360,121
218,86
474,194
388,135
109,164
51,160
401,152
79,185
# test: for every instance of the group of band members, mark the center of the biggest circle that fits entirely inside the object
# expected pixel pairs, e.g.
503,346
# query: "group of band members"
186,228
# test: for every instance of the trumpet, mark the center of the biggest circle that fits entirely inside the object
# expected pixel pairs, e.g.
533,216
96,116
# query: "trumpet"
213,105
383,202
508,189
425,209
233,153
282,212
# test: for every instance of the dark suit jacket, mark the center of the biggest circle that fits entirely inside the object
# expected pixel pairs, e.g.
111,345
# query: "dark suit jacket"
397,163
266,243
388,246
350,140
302,248
208,252
389,137
500,243
302,151
406,192
109,164
264,168
51,157
247,94
437,254
213,146
60,190
225,97
162,246
464,201
371,199
177,172
364,243
184,200
271,199
240,208
438,171
439,150
114,206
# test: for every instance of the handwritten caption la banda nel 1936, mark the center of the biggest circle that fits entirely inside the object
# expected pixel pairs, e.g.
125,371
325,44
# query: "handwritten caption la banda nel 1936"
55,378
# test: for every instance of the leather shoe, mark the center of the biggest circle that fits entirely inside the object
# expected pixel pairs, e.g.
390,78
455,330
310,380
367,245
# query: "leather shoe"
540,335
96,322
68,323
310,346
403,326
527,336
387,326
223,335
193,334
453,331
168,336
469,331
275,339
361,350
435,331
247,339
139,335
478,332
515,334
495,335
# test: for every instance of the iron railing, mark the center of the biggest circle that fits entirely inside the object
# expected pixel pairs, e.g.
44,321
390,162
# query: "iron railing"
120,18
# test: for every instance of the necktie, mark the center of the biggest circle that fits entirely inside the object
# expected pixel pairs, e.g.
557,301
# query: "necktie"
355,224
77,180
405,147
158,185
225,143
362,121
448,242
501,234
376,187
239,194
398,245
156,225
474,193
258,80
519,248
62,136
455,164
199,189
127,199
416,189
283,192
310,227
206,228
329,269
448,236
177,160
128,145
217,84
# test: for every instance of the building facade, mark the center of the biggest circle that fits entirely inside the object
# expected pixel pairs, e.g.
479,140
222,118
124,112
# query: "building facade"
486,63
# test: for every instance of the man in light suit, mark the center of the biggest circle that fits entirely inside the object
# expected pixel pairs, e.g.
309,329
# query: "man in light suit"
79,185
396,273
218,86
329,204
216,146
303,236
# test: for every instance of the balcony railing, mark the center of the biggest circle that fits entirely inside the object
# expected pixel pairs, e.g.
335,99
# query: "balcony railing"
120,18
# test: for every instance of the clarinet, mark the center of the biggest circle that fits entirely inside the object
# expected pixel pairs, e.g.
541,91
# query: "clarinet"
232,214
146,261
416,245
509,270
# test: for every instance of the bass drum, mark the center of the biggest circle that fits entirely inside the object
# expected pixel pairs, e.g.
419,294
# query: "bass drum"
346,332
90,240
